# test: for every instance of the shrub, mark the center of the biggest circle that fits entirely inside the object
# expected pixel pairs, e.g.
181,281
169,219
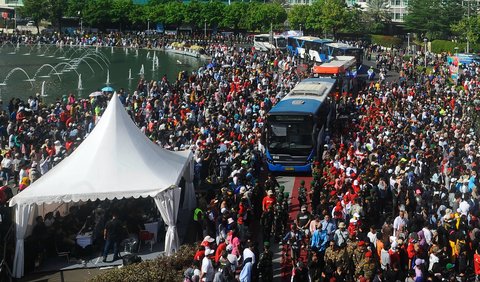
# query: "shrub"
439,46
165,268
386,40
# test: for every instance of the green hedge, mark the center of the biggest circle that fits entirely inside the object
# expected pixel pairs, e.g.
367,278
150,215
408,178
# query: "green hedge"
386,40
166,268
439,46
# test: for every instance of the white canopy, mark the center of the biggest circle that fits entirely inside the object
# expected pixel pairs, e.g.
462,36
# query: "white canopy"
115,161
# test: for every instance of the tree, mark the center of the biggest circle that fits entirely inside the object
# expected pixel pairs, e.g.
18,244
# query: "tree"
333,15
432,18
213,13
468,28
56,11
377,15
174,13
192,14
298,15
121,8
313,14
235,15
36,10
97,13
355,21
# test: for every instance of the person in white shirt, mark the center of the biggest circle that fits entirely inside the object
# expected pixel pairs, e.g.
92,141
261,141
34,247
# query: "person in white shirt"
6,164
207,271
372,235
399,224
248,253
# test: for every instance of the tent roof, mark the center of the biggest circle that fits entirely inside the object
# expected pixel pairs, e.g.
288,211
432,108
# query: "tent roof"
115,161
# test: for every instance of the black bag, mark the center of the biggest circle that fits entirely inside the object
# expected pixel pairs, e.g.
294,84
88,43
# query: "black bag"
131,259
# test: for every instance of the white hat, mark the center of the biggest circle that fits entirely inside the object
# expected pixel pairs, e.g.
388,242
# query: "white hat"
230,220
269,192
356,215
208,239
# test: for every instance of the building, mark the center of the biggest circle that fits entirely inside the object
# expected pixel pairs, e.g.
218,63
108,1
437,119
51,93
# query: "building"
11,3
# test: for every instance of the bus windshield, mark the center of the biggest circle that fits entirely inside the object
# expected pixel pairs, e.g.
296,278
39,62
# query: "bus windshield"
281,42
290,135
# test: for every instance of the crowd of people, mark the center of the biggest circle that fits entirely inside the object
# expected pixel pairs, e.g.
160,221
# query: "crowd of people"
393,198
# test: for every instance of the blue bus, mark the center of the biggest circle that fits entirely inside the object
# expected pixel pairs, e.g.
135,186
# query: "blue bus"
313,46
341,49
297,125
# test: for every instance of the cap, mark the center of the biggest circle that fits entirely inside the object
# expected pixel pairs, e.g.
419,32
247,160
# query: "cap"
230,220
269,192
368,254
266,244
361,243
304,208
208,239
341,225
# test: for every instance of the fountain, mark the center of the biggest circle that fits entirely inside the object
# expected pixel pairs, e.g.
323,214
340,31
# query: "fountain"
80,86
148,55
96,49
42,93
18,44
43,66
153,65
130,74
8,42
136,53
126,51
142,70
108,78
15,70
64,65
111,50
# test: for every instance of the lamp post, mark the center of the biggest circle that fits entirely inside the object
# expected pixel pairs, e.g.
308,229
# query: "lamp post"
205,29
425,51
456,51
300,29
408,43
148,25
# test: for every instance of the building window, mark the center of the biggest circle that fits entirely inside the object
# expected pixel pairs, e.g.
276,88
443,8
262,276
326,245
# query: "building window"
397,2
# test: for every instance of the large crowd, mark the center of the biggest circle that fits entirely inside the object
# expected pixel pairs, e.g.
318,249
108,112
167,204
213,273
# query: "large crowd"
394,197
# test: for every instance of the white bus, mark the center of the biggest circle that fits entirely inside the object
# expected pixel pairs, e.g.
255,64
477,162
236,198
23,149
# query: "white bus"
262,42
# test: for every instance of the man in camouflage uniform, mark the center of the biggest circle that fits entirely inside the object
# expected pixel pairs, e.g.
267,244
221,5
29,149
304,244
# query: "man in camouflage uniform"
359,253
265,264
366,266
329,257
267,221
341,257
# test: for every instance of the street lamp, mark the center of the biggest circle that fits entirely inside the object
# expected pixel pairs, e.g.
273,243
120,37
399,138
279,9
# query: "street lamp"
456,51
300,29
425,50
148,25
81,22
205,29
408,43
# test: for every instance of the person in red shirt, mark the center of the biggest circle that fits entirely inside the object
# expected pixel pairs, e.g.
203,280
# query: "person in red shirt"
222,246
268,201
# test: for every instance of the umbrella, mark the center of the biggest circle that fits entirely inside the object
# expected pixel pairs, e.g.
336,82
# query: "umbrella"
95,94
107,89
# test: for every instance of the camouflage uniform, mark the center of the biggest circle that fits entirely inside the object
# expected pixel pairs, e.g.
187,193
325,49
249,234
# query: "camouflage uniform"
341,258
265,266
367,267
330,258
358,256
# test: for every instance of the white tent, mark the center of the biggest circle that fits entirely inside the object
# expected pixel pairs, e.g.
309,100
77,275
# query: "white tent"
115,161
